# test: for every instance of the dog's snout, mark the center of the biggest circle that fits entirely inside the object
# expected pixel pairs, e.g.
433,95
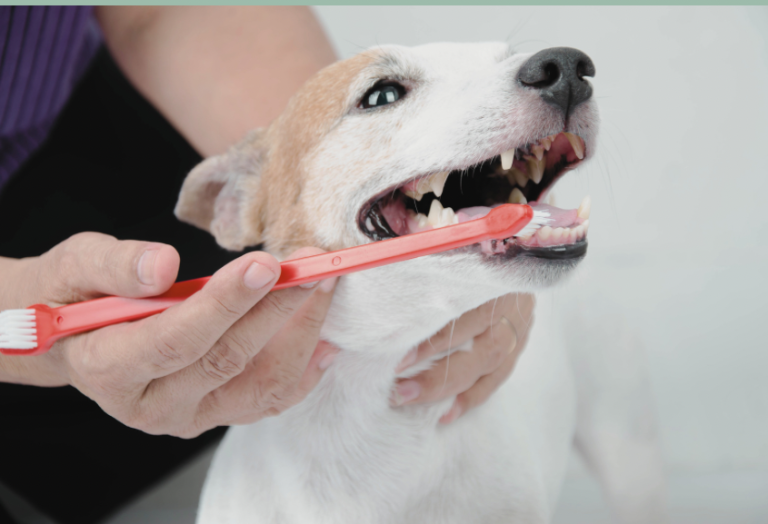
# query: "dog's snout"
558,73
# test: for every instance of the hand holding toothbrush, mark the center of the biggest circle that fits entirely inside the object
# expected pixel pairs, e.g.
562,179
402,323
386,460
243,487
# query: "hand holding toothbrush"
228,355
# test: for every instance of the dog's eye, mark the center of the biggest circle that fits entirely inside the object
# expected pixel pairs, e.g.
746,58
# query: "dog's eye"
382,94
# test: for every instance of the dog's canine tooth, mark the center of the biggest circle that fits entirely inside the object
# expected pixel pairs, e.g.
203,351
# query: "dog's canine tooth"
584,208
506,159
585,225
520,177
437,182
538,151
536,169
435,213
577,144
517,197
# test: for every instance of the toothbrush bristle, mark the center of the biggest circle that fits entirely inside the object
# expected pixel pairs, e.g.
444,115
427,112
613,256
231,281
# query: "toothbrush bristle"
18,329
540,219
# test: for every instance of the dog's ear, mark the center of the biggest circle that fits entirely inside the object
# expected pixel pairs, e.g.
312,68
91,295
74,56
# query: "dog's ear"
221,195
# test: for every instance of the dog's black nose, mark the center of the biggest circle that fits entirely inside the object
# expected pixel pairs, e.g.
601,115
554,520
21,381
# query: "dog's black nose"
558,73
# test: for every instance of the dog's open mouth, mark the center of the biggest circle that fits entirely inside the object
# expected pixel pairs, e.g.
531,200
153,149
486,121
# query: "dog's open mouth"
520,176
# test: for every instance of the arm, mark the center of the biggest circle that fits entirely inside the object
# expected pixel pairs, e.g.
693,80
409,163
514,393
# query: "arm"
216,72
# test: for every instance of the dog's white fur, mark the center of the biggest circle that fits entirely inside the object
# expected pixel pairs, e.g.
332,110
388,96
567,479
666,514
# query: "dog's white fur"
344,455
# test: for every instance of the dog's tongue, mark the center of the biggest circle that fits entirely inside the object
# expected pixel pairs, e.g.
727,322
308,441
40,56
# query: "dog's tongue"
559,217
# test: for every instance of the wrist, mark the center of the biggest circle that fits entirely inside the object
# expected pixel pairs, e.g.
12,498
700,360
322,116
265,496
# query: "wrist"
41,370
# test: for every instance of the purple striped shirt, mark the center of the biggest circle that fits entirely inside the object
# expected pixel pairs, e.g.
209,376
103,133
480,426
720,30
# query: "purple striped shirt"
43,52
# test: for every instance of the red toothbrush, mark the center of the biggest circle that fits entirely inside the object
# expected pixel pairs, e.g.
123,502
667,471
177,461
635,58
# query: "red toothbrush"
33,331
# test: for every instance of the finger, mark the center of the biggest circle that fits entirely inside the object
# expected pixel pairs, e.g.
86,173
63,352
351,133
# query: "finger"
457,372
90,265
179,336
518,309
282,374
228,357
324,355
465,328
481,390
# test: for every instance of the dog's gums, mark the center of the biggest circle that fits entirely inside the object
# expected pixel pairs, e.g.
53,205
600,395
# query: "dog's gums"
523,175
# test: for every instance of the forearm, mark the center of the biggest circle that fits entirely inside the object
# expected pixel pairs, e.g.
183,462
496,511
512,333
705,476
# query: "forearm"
216,72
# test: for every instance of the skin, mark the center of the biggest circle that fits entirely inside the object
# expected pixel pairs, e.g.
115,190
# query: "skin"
233,353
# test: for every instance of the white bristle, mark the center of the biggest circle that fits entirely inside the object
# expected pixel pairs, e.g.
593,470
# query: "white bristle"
540,219
18,329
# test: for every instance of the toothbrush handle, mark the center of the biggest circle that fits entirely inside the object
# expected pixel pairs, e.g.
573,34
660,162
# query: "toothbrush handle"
502,222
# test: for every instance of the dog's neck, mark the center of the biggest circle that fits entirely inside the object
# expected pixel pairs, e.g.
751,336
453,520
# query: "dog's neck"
388,310
376,318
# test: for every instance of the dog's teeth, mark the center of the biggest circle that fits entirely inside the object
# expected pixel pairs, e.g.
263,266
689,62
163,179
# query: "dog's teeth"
437,182
520,177
538,151
448,217
584,208
369,224
422,219
506,159
517,197
585,225
435,213
545,232
440,216
536,169
558,235
414,194
546,142
577,144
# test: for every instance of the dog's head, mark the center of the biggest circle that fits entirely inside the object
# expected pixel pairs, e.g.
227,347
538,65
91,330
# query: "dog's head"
397,140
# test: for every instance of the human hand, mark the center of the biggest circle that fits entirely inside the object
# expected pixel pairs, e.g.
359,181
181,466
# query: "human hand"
230,354
499,331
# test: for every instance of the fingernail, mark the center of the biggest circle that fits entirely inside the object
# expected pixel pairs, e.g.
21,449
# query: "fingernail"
408,360
327,360
146,268
452,414
257,276
327,285
406,391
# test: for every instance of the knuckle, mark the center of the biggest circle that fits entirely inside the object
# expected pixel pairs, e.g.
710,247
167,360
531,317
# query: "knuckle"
277,303
169,344
226,360
272,396
223,309
312,321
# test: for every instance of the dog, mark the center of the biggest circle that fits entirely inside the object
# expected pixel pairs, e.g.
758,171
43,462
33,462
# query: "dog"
389,142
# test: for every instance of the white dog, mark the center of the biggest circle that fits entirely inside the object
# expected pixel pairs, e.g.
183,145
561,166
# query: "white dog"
392,141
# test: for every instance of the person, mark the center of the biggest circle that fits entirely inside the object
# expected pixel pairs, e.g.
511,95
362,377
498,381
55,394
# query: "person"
94,145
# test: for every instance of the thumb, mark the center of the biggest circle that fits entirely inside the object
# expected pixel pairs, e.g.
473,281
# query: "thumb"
90,265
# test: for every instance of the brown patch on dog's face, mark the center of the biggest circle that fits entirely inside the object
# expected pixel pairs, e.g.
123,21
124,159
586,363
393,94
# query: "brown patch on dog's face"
252,194
310,114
